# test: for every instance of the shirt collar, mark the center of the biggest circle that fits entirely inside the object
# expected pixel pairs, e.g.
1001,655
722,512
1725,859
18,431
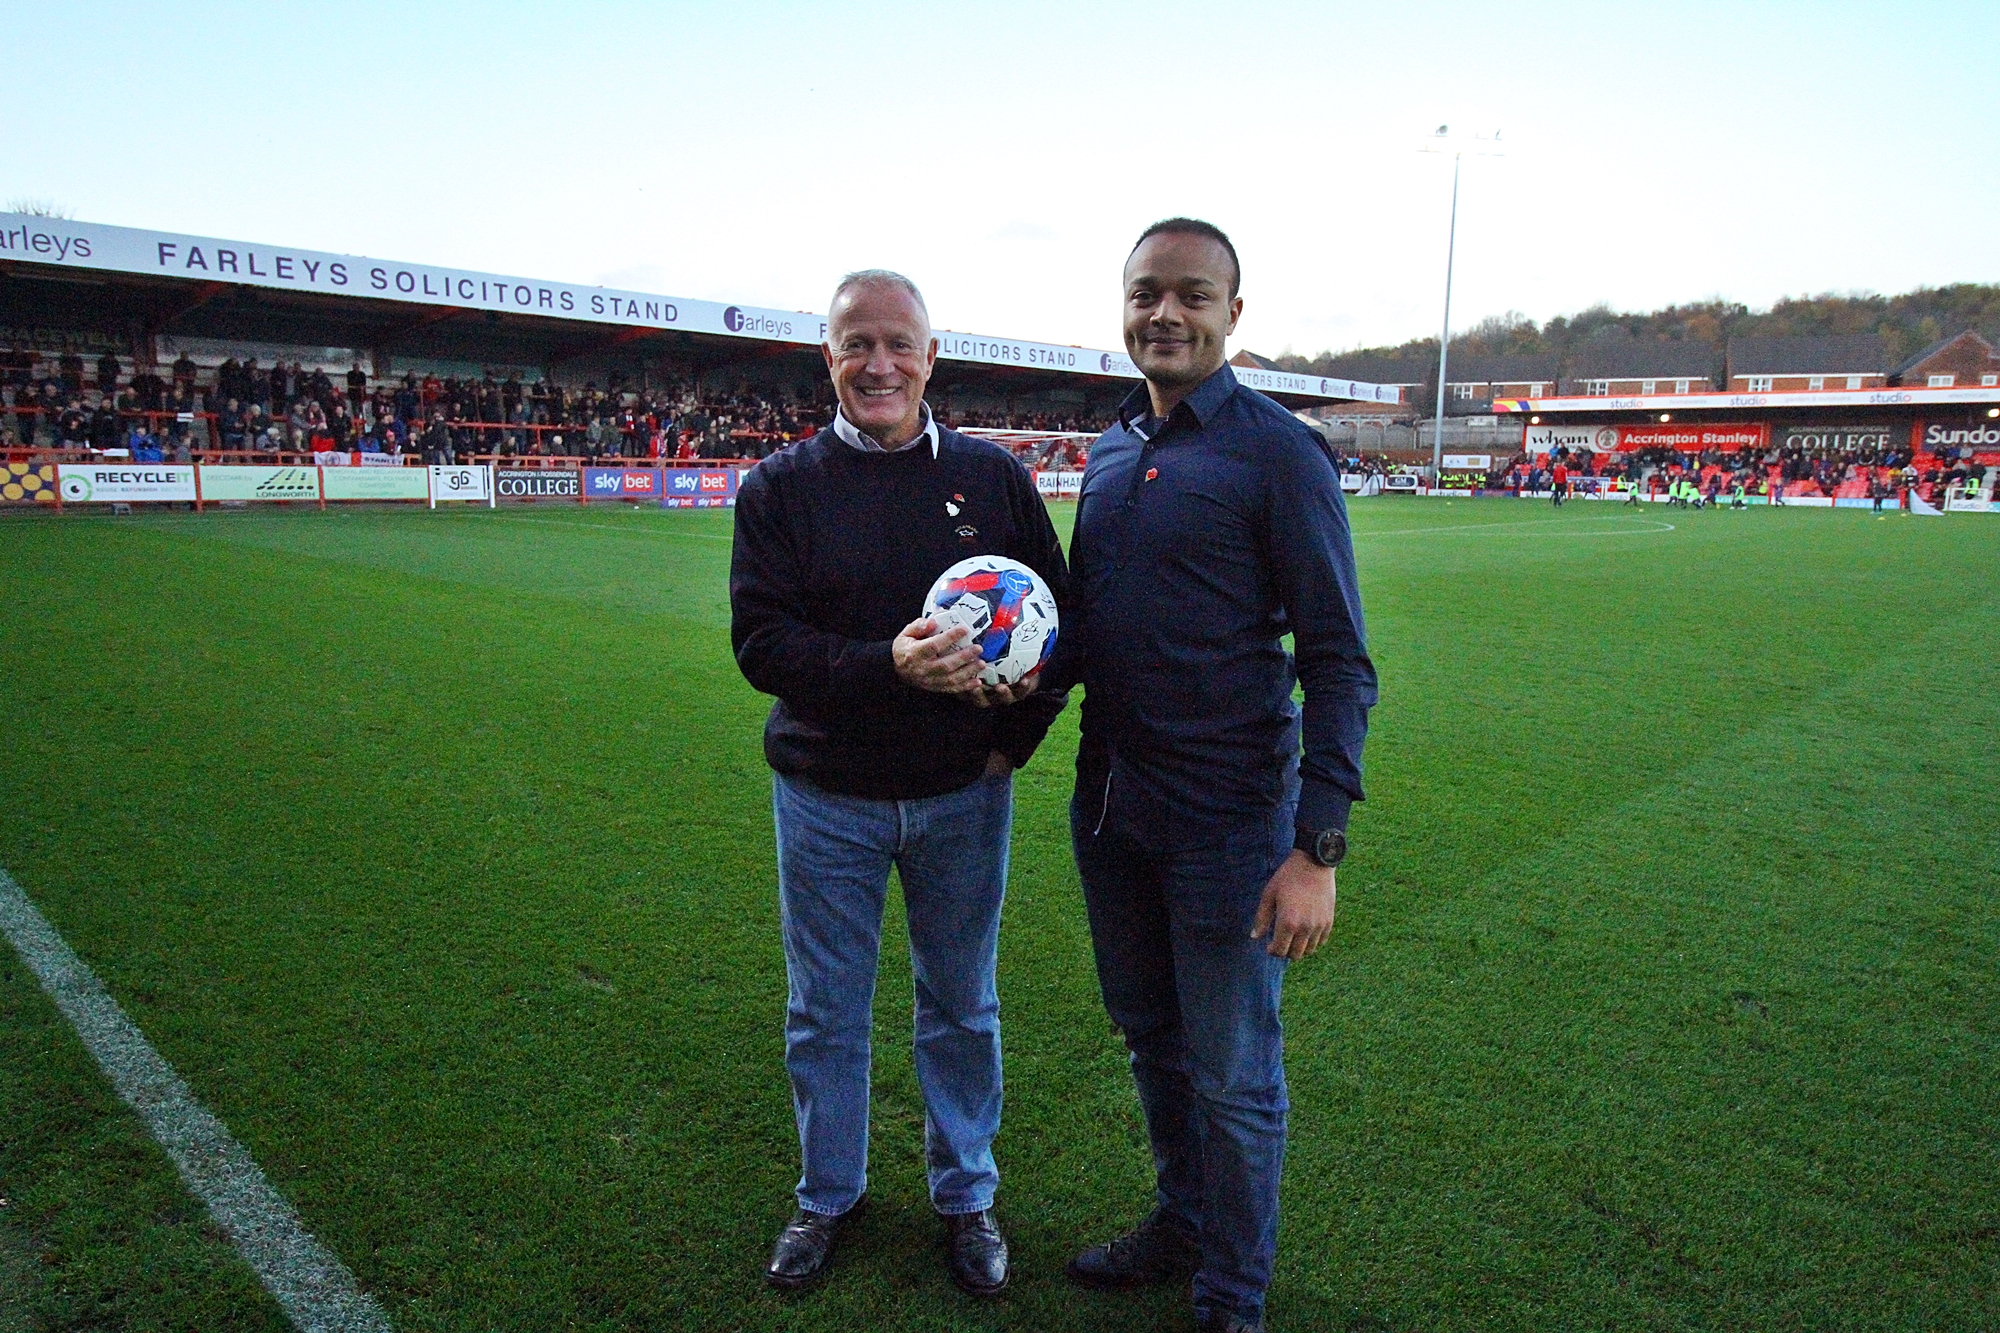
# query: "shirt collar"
1135,413
868,444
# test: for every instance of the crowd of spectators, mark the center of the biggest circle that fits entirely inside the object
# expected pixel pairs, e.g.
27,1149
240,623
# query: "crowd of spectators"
1051,422
1866,472
242,406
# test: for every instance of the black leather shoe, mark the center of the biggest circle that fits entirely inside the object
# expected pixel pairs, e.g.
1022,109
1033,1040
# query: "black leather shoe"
805,1248
1213,1321
976,1253
1155,1251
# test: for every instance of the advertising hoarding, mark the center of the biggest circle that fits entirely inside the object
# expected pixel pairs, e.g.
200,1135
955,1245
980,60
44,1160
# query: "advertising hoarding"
462,482
28,483
525,483
1469,462
1059,485
620,483
259,483
1934,437
376,483
99,483
699,488
1681,437
1836,438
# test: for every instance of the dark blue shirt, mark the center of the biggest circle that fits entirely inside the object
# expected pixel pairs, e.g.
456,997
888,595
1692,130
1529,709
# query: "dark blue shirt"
1200,542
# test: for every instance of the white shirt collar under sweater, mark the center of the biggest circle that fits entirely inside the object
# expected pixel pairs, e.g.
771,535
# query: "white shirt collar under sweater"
868,444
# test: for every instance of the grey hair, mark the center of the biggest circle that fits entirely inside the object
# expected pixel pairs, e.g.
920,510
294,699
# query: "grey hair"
868,277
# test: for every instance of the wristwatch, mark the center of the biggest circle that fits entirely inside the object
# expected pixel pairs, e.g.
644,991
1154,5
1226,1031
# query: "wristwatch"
1325,846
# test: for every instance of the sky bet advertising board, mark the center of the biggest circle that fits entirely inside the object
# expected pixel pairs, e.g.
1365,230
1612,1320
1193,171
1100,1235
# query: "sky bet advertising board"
700,488
620,483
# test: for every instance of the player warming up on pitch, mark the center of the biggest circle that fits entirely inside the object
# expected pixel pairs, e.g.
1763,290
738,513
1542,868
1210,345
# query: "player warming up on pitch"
1210,524
886,749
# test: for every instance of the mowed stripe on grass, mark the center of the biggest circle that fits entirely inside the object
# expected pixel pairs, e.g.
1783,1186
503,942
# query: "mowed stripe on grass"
434,851
310,1284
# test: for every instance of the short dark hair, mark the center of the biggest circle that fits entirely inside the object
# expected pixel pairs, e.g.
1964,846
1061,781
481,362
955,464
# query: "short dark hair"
1195,227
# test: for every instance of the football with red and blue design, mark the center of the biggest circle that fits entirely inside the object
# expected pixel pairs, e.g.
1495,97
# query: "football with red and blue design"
1007,608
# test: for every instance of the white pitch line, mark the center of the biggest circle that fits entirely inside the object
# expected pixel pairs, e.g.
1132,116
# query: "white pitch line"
606,527
309,1282
1530,524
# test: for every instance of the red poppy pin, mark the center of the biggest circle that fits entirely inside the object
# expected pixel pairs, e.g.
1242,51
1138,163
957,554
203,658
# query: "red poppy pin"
1151,473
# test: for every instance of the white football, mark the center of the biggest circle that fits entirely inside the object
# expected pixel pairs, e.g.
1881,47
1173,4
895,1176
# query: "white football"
1010,611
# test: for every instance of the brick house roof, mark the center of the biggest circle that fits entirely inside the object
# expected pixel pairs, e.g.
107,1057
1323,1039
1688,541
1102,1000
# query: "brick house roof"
1629,359
1839,354
1978,344
1474,368
1382,369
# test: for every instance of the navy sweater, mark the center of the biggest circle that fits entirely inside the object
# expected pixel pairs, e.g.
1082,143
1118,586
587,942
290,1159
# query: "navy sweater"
835,551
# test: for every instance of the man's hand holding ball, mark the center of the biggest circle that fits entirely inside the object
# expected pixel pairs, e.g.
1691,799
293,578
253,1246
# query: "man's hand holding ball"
943,661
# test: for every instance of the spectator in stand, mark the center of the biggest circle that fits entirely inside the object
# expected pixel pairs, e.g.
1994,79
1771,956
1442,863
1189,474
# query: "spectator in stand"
107,373
357,389
517,433
234,425
105,428
70,367
20,366
73,426
299,422
184,374
145,446
317,434
25,415
437,441
49,410
339,428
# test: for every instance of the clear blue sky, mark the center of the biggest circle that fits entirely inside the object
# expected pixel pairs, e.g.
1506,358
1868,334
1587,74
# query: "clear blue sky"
1004,155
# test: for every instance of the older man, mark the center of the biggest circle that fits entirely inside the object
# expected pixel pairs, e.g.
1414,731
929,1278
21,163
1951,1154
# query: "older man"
1209,526
886,751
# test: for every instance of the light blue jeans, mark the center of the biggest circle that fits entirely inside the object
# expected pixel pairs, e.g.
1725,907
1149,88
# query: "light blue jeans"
834,854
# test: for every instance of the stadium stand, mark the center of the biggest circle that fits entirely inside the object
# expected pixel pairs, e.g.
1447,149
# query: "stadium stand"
1790,473
238,407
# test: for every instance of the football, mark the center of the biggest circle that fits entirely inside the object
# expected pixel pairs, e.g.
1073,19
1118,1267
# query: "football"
1008,609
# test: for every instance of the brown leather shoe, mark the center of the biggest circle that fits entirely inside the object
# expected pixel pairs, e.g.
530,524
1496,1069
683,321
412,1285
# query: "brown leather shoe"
805,1247
976,1253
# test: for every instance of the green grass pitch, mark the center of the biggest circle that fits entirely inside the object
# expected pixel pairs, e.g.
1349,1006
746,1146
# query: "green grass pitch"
434,850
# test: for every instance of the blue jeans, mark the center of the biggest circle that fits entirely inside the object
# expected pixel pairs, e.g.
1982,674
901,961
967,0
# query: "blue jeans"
834,854
1197,1001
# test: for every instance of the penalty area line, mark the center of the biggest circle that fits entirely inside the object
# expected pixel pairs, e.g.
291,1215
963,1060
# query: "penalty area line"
308,1281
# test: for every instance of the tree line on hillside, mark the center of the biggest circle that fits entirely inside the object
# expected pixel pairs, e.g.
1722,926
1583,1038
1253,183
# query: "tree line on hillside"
1906,324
